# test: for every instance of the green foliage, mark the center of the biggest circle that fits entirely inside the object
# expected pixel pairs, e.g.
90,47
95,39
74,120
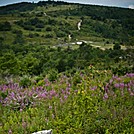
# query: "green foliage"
48,28
117,46
35,53
85,110
25,81
60,34
5,26
19,39
36,60
17,7
29,65
98,21
52,74
49,35
9,64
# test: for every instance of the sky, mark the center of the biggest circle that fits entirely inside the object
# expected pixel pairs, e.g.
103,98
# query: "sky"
115,3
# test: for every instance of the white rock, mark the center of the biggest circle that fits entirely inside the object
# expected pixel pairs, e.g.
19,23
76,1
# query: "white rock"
79,43
73,43
43,132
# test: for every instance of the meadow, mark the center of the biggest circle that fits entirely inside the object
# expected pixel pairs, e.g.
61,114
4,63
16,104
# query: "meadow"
56,76
90,101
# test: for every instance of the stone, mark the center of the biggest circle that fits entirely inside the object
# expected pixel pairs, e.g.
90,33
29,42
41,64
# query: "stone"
43,132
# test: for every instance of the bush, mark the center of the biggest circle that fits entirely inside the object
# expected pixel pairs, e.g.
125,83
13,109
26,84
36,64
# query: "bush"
48,28
5,26
40,25
28,27
25,81
117,46
49,35
60,34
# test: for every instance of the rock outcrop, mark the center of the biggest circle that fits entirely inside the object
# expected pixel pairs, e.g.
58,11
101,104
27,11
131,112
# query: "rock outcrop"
43,132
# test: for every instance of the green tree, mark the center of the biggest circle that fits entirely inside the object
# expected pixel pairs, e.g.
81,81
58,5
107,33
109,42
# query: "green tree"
1,42
19,39
5,26
117,46
9,64
30,65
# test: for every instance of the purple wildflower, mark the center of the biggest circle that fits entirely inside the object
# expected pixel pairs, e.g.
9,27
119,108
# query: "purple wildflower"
117,85
41,95
130,75
129,85
67,89
106,89
105,96
47,84
122,85
50,97
65,97
21,110
68,93
75,91
52,93
94,88
115,77
131,94
61,100
10,131
50,107
24,124
132,83
57,95
63,92
118,79
111,80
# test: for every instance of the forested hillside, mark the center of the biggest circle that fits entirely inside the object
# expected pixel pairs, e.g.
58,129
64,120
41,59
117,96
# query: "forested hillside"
67,67
35,32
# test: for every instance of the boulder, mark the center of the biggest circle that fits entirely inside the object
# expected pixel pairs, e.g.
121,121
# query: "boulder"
43,132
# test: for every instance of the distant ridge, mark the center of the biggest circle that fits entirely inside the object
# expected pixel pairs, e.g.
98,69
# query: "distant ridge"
28,6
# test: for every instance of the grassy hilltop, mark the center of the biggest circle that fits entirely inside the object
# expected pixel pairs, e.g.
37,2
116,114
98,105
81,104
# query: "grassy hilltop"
56,75
46,20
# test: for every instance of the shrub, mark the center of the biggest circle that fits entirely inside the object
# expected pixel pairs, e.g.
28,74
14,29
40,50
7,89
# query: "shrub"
5,26
49,35
48,28
25,81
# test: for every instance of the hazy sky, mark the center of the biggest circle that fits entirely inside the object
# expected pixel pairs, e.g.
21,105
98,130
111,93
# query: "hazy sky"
117,3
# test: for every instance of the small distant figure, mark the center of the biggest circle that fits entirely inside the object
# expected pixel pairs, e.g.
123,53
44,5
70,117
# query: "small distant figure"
69,37
45,14
79,24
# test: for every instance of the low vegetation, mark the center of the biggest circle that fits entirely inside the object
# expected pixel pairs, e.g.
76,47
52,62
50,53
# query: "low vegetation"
90,101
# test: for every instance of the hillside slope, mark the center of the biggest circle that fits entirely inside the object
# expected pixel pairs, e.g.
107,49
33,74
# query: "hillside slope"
52,20
53,37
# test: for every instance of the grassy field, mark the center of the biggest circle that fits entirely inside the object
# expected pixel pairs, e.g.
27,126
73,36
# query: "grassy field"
60,26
